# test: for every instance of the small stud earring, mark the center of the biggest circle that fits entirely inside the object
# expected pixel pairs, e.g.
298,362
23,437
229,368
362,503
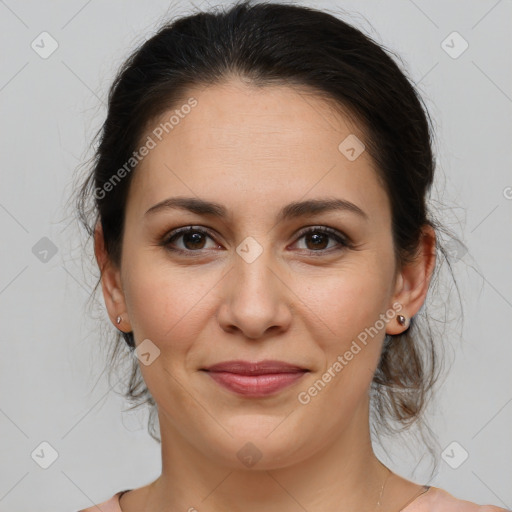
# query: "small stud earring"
401,319
118,320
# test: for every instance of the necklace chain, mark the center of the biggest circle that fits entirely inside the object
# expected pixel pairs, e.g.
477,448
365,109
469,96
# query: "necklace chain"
382,488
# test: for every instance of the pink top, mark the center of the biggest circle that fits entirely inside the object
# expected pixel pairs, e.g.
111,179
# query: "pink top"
432,499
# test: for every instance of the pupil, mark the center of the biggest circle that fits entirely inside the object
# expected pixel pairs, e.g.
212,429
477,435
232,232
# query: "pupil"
316,237
194,238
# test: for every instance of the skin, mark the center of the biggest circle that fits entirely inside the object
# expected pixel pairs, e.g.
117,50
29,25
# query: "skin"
254,151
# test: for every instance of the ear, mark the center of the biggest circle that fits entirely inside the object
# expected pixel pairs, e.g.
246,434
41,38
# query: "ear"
413,280
110,282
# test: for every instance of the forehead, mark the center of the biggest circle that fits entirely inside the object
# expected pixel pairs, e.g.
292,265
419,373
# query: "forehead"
261,142
240,117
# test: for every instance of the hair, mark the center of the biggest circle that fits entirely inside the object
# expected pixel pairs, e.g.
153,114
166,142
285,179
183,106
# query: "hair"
268,44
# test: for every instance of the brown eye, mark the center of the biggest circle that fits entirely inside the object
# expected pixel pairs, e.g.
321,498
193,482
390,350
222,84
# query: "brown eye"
193,239
317,239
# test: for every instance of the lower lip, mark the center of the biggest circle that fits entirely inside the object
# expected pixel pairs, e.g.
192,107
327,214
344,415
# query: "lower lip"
255,385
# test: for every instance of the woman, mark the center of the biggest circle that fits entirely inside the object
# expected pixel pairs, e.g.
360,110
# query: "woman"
264,242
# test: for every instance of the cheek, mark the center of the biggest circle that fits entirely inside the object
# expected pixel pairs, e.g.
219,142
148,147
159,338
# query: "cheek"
344,304
165,306
348,337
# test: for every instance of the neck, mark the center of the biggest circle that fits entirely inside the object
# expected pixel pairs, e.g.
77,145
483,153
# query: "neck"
345,475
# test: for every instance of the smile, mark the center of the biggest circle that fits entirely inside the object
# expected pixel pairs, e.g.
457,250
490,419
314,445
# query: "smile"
255,379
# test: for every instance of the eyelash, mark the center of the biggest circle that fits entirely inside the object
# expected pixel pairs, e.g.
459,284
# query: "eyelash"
342,240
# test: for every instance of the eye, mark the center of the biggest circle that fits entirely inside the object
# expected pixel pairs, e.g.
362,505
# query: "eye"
193,239
319,236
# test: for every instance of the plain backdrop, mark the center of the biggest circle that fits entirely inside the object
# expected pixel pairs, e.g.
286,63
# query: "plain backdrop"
52,385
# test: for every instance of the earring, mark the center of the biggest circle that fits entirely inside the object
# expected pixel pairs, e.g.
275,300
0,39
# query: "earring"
401,319
118,320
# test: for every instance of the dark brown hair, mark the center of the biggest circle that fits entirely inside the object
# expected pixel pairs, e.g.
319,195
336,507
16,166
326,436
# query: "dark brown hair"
264,44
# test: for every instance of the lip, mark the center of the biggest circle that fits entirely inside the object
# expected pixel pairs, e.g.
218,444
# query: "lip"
255,379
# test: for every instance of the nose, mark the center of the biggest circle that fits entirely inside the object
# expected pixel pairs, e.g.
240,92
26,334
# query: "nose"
256,298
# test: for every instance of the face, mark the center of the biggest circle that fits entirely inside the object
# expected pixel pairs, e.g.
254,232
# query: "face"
308,288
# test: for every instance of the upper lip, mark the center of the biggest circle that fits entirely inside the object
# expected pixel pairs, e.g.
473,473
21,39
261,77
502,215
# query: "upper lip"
255,368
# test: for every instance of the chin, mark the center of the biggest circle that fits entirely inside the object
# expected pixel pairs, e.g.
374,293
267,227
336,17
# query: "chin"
261,443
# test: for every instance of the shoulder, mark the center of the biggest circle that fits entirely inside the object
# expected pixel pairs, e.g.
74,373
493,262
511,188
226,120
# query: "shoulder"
439,500
110,505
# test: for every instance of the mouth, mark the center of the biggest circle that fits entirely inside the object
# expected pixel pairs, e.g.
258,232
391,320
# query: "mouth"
255,379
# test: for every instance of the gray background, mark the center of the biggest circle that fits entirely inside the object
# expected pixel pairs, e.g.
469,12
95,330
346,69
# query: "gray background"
53,386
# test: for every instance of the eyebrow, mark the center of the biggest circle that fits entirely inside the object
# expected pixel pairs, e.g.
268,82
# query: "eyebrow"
290,211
